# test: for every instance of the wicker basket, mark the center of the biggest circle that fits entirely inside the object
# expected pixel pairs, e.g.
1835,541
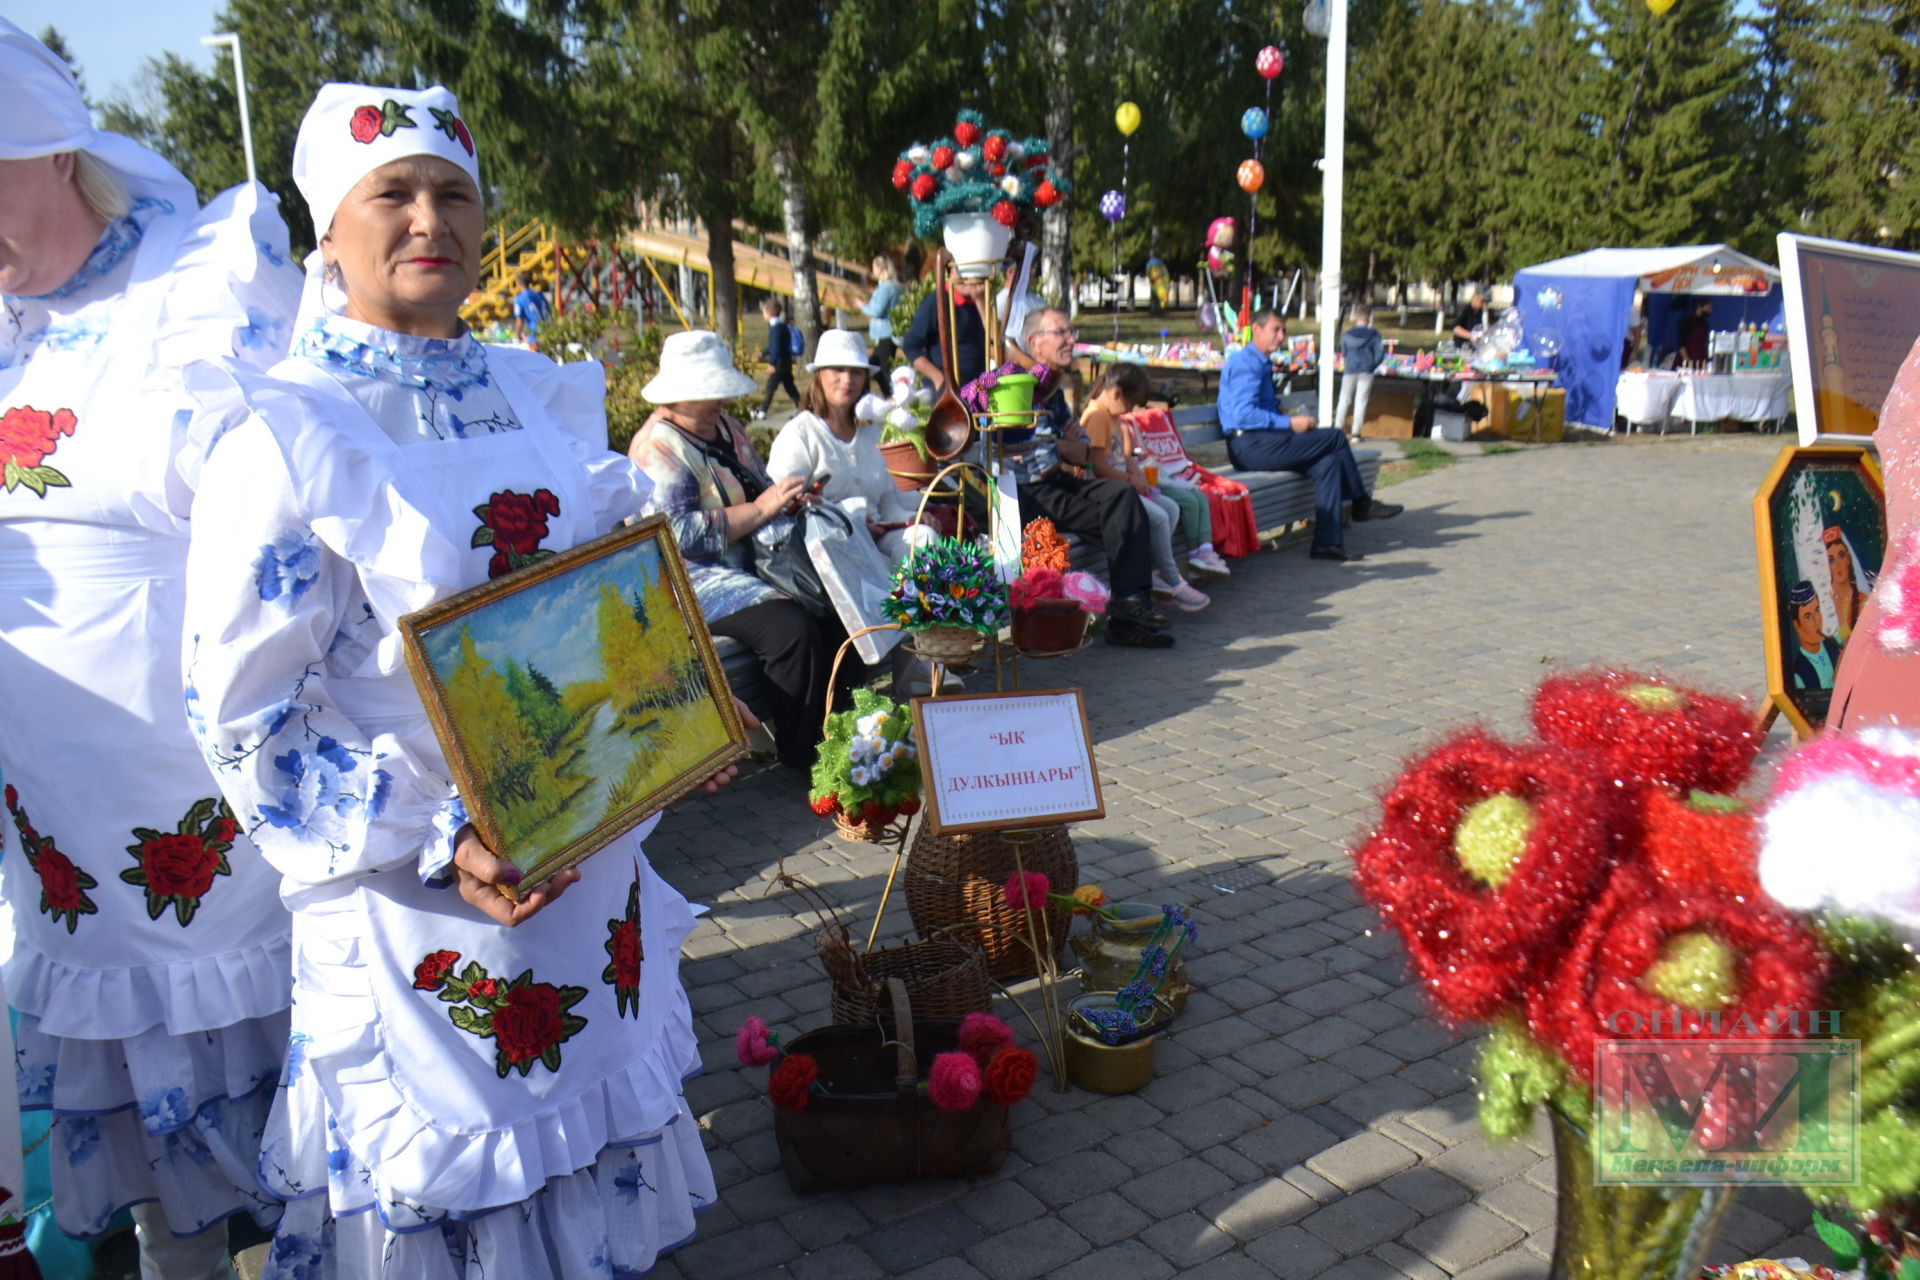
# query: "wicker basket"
945,644
944,977
958,883
859,832
872,1124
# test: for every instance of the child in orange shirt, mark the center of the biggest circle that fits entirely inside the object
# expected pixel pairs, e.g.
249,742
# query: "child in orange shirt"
1122,390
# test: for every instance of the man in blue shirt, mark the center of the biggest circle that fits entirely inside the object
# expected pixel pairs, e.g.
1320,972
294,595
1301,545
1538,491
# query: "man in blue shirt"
1261,438
530,309
921,346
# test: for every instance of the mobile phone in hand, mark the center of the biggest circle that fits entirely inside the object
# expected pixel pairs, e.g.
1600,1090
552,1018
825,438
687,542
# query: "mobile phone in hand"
820,483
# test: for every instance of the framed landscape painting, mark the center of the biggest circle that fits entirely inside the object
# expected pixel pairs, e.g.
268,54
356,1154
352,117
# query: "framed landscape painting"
575,697
1820,532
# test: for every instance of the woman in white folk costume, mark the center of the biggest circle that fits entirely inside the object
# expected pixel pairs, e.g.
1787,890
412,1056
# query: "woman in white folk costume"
150,956
546,1135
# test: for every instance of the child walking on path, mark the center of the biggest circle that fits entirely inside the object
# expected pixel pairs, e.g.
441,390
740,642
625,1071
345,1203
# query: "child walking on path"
782,347
1363,349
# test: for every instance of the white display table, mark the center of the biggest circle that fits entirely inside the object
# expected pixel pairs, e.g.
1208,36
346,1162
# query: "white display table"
1654,398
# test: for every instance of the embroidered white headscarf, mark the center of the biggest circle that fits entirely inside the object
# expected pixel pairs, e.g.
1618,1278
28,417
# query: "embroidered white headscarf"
353,129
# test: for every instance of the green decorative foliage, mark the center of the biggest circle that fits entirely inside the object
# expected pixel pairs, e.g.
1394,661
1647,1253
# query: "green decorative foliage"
1517,1075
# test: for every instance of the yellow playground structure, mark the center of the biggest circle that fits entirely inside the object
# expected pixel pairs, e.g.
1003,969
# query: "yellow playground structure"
596,273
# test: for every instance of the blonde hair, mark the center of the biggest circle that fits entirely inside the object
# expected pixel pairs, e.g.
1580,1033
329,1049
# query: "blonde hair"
882,268
105,194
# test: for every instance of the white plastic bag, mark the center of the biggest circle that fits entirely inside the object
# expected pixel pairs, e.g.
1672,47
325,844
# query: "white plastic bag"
857,576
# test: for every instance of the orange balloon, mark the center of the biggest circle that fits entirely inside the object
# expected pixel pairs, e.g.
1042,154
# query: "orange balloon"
1251,175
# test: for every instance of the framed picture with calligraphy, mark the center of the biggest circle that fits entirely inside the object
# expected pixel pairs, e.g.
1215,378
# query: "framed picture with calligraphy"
1820,533
1853,314
1006,761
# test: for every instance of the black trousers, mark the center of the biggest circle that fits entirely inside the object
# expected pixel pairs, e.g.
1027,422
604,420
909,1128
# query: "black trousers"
781,378
1108,511
796,650
1323,456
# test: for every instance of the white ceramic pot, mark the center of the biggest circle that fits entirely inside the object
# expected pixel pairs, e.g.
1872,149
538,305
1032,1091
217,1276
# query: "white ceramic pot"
976,242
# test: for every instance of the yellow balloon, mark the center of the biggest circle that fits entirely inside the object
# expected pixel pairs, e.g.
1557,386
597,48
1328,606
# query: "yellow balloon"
1659,7
1127,118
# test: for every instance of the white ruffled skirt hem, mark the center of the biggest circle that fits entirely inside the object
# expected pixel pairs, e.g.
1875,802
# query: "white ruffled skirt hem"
175,1120
180,997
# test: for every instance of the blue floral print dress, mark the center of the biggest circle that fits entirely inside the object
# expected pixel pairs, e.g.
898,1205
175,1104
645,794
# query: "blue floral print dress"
461,1099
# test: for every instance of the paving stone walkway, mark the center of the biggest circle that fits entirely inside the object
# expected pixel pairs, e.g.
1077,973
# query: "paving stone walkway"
1306,1119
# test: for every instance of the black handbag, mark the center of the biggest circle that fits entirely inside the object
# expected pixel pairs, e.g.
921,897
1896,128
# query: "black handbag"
782,564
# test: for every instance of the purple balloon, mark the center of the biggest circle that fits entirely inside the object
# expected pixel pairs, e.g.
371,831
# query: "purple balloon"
1113,206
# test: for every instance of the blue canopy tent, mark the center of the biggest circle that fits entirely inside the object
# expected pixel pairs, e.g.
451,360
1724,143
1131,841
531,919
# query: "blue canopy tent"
1575,311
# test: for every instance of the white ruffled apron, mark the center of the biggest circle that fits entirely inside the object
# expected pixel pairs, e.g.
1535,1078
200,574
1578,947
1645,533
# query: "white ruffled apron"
452,1065
151,953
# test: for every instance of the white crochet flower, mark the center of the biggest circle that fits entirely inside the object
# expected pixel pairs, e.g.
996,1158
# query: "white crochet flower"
861,776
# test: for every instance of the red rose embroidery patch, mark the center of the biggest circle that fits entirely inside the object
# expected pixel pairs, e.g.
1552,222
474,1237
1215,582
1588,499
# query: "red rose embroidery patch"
177,867
369,123
527,1021
63,886
513,524
625,954
27,436
453,126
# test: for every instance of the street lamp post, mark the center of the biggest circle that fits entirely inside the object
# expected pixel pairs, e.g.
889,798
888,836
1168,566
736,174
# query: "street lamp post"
231,39
1333,174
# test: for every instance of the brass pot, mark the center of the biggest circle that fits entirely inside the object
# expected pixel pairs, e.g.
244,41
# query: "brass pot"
1108,1068
1110,955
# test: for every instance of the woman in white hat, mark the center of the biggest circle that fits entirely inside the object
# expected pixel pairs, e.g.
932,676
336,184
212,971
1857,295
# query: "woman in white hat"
711,486
150,958
825,442
366,478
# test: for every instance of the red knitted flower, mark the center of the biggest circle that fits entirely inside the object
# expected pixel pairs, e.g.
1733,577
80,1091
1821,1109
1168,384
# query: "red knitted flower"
902,171
954,1082
995,147
982,1035
924,186
1010,1076
1026,891
942,157
1046,195
791,1083
1484,853
1702,842
966,133
1648,731
1005,213
1741,960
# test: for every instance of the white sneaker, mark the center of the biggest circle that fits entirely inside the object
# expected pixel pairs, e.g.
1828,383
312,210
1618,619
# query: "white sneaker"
1209,561
1188,599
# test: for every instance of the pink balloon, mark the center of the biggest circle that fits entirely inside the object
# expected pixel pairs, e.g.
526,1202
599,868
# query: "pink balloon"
1269,63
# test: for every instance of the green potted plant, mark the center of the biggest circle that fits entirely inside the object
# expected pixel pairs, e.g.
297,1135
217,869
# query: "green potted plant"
866,772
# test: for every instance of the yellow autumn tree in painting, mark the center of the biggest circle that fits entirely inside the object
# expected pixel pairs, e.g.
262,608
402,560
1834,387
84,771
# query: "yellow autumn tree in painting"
504,752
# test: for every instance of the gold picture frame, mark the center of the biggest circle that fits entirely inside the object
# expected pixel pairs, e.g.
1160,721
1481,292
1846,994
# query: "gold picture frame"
575,697
1820,528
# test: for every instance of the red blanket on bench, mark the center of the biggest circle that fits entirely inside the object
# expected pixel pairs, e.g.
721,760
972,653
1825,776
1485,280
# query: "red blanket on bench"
1234,531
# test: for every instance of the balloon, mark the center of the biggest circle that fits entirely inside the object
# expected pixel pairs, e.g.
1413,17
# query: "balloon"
1251,175
1270,62
1220,233
1127,117
1113,206
1659,7
1219,260
1253,122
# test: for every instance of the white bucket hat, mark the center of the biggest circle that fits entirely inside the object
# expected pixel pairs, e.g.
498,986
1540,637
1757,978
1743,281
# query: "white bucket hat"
696,365
841,349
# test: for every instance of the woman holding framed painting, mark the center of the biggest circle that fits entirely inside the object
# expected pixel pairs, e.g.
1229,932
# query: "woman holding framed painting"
502,1068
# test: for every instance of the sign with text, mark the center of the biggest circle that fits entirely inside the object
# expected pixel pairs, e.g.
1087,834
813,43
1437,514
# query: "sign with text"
999,761
1853,313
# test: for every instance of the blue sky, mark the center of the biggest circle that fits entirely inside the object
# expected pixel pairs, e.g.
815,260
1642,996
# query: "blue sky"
112,39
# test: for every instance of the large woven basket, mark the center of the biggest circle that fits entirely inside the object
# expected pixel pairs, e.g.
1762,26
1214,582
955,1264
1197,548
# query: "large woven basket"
944,977
957,884
945,643
872,1123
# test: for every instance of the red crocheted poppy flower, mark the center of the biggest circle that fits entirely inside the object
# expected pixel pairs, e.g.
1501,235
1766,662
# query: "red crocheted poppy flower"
1702,842
1484,853
1010,1076
1652,963
791,1083
1647,731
